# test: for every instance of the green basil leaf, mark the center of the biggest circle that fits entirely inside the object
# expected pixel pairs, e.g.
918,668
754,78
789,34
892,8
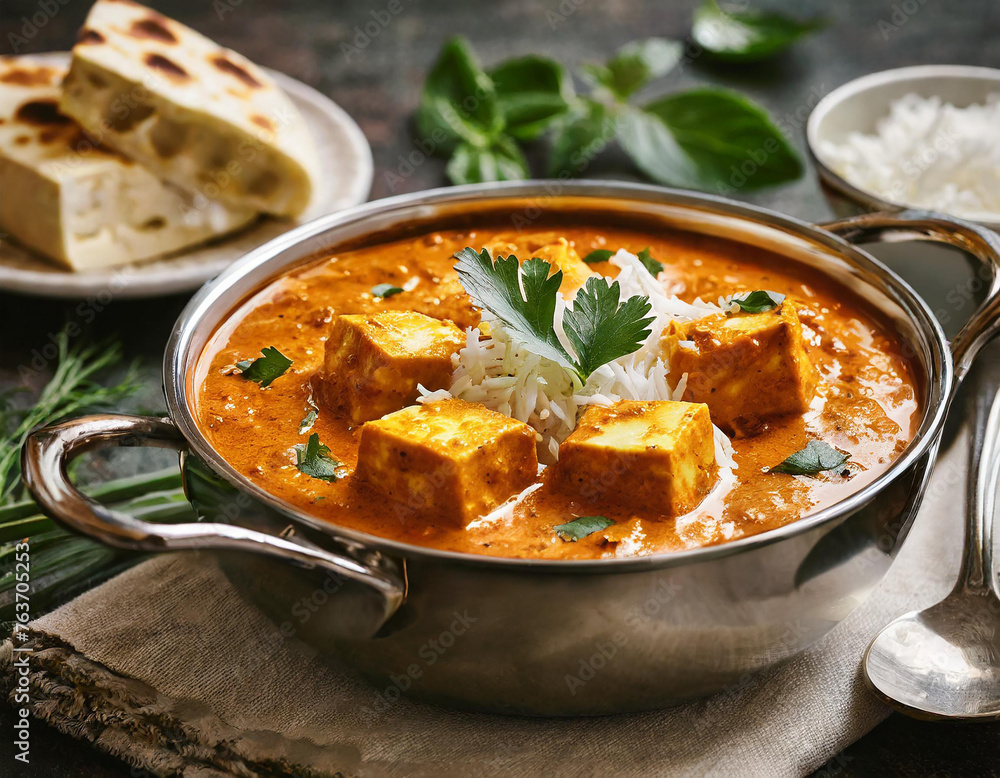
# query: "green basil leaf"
634,65
655,267
598,255
746,36
313,458
265,369
758,301
816,457
708,139
502,160
579,136
459,102
386,290
578,529
531,93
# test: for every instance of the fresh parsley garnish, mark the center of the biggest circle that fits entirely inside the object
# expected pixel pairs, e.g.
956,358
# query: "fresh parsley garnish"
598,255
579,528
655,267
265,369
758,301
313,458
600,327
816,457
386,290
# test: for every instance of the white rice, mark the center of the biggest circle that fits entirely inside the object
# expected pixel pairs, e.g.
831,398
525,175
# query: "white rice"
929,154
501,373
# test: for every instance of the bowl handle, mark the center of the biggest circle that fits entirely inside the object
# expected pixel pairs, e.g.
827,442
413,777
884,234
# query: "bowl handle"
48,451
980,242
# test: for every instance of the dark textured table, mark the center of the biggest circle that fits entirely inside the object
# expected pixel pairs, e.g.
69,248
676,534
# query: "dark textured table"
378,83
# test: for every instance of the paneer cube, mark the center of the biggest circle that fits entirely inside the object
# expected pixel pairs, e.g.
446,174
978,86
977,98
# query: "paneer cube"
563,257
447,462
747,367
373,363
653,456
555,250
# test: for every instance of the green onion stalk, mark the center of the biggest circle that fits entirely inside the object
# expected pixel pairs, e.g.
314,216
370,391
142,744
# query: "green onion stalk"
63,564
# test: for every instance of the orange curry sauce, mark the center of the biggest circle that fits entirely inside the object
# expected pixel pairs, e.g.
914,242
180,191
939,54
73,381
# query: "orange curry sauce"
866,403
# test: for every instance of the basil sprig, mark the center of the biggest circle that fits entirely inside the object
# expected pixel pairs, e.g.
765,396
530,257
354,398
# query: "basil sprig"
703,138
746,36
477,117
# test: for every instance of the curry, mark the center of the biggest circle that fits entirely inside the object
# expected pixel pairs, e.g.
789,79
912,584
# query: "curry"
377,423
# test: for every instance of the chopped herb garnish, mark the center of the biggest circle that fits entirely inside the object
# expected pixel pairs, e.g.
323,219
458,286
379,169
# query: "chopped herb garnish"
598,255
600,328
266,368
654,267
307,421
759,301
579,528
313,458
816,457
386,290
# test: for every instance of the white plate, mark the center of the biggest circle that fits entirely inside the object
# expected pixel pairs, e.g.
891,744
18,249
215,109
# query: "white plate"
345,161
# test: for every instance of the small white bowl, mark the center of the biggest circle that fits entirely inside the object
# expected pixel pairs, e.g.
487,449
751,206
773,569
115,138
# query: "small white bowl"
858,105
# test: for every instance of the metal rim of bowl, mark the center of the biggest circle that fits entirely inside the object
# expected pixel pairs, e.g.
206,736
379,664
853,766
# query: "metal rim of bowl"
178,362
862,197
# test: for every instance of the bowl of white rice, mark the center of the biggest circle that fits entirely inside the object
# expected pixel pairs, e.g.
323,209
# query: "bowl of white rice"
924,137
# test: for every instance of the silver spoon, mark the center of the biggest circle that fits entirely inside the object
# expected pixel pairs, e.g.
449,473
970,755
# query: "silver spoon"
944,662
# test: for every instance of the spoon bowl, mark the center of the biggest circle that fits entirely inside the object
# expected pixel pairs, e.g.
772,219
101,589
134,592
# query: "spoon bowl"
944,662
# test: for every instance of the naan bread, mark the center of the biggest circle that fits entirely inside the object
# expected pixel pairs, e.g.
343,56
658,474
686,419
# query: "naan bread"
80,204
192,112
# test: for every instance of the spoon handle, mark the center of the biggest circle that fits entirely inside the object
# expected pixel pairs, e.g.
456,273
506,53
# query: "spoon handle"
984,470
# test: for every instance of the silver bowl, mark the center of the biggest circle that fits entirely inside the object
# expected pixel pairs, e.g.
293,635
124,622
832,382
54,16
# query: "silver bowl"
858,105
531,636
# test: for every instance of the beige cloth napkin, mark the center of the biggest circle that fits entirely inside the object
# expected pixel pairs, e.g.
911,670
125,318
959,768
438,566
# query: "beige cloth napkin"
168,667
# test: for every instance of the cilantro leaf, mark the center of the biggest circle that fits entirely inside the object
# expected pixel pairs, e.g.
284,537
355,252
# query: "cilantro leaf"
598,255
313,458
265,369
579,528
759,301
600,329
655,267
496,286
816,457
386,290
307,421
